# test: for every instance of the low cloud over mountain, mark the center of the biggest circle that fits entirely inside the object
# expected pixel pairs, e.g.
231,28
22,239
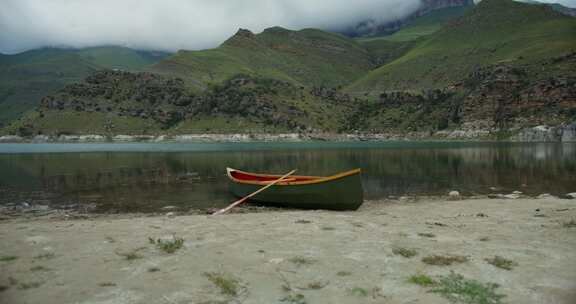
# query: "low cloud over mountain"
173,24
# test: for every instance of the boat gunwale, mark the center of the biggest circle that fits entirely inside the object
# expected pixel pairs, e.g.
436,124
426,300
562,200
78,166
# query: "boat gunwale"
314,179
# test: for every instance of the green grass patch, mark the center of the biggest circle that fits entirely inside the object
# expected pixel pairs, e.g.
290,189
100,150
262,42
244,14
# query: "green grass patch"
45,256
358,292
427,234
501,262
168,245
29,285
422,280
405,252
458,289
226,283
8,258
444,260
131,255
294,298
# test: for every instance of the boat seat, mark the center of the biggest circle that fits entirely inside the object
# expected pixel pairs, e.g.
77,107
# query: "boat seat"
284,180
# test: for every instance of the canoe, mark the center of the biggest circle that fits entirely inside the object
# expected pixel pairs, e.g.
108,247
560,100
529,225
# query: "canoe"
342,191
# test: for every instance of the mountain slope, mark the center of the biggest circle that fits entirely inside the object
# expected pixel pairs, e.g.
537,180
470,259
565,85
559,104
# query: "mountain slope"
308,56
115,102
376,28
495,31
428,24
26,77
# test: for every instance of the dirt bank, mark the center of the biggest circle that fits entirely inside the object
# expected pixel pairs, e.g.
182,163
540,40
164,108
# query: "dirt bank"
295,257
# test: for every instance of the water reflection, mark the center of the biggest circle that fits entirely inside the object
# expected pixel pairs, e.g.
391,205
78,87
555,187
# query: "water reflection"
147,181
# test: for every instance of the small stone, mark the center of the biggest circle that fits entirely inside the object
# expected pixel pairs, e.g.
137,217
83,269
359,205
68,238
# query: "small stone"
544,195
276,261
493,188
170,214
517,192
572,195
511,196
454,195
169,207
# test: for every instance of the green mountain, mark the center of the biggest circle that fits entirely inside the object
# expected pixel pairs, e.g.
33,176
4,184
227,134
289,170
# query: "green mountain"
27,77
428,24
115,102
500,67
306,57
495,31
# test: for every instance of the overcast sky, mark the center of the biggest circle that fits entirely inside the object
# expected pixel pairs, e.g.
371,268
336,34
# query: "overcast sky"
174,24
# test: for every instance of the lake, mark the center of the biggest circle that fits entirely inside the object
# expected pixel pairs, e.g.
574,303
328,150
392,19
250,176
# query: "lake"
145,177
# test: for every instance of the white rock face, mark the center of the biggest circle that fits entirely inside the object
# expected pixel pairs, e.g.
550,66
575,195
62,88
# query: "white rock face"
11,138
544,195
82,138
538,134
569,133
544,133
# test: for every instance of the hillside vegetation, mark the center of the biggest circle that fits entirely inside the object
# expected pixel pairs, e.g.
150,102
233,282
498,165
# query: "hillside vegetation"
27,77
305,57
495,31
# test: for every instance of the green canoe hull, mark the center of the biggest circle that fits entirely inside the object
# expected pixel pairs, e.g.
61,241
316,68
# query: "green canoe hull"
340,194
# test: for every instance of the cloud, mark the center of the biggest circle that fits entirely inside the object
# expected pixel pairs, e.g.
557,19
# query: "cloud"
173,24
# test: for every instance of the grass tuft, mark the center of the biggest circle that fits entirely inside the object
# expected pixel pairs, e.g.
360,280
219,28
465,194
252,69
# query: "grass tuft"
405,252
29,285
343,273
39,268
107,284
316,285
428,235
501,262
422,280
45,256
301,261
444,260
358,292
570,224
226,283
458,289
131,255
153,269
294,298
8,258
168,245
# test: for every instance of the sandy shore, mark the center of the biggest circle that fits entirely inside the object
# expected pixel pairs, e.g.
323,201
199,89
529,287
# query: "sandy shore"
326,257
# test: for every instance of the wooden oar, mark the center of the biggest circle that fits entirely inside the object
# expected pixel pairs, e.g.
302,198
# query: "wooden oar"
240,201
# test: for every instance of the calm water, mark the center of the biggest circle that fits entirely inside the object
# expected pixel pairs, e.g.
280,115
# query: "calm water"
146,177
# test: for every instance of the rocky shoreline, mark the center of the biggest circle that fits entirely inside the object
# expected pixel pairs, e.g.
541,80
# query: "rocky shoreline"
543,133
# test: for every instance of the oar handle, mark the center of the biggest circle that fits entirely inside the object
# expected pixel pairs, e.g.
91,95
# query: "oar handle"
240,201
